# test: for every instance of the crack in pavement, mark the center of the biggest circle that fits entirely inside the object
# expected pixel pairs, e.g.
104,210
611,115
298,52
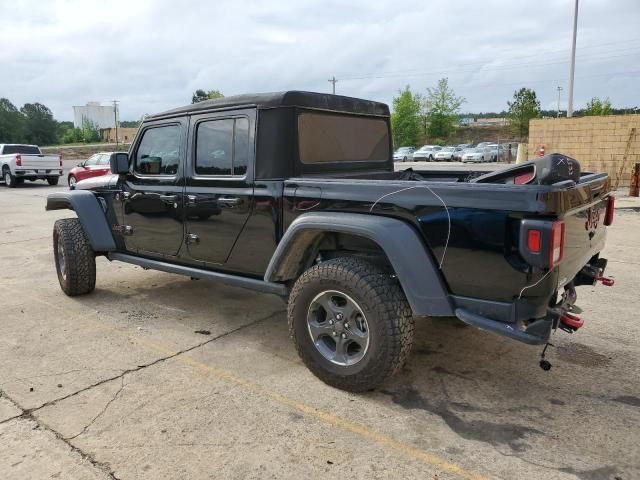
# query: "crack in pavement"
29,413
113,399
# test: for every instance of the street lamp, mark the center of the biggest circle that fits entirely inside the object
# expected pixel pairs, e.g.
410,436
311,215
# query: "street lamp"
573,62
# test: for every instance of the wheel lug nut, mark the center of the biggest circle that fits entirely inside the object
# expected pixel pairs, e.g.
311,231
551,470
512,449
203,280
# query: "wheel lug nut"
344,335
331,322
346,325
339,317
334,333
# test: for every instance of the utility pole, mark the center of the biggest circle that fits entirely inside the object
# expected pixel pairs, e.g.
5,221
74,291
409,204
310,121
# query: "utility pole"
115,119
333,81
559,90
573,62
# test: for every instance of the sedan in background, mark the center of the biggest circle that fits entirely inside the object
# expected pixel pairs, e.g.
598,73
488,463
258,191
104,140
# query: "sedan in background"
448,154
403,154
94,166
475,155
426,153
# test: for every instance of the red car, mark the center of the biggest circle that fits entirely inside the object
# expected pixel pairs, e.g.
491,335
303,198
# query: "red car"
95,166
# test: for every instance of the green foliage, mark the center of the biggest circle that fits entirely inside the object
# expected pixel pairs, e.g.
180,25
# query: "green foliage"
598,107
201,95
524,107
41,127
90,131
13,127
405,119
442,107
131,123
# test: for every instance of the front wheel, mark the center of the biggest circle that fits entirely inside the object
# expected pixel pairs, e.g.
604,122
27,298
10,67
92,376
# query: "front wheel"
74,257
72,181
351,323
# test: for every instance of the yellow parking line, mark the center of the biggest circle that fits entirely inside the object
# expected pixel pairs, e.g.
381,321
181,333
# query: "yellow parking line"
357,429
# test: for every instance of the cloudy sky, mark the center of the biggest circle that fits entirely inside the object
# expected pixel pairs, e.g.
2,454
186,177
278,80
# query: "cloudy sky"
152,54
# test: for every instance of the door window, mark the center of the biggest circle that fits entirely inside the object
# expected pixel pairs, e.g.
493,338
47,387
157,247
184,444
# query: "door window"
222,147
104,160
158,151
93,160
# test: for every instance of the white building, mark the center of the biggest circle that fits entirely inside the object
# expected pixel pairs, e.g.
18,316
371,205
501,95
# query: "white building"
100,115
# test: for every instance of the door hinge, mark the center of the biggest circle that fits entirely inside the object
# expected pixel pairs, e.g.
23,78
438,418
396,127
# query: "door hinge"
192,238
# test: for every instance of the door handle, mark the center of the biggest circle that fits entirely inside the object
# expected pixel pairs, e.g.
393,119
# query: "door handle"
169,198
228,201
192,200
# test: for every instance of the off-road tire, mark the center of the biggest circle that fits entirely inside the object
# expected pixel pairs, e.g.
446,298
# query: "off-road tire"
77,273
385,307
9,180
53,180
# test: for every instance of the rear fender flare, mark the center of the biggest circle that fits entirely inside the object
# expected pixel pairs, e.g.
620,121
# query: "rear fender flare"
91,216
412,263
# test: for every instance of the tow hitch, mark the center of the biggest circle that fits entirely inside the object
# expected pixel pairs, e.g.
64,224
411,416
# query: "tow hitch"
570,322
606,281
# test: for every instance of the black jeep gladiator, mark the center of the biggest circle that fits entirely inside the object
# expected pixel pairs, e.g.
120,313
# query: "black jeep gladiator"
295,194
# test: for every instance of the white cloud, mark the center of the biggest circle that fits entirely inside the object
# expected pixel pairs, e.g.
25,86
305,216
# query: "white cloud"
151,55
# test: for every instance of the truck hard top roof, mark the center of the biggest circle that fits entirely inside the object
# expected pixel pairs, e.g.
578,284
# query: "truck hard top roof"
292,98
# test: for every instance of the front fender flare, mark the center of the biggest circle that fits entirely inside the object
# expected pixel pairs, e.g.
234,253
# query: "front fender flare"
91,216
415,268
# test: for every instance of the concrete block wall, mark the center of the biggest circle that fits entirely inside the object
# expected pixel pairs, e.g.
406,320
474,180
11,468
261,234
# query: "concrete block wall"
598,143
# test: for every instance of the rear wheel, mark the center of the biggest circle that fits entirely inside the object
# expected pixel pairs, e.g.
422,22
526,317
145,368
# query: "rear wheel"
9,180
351,323
74,257
52,180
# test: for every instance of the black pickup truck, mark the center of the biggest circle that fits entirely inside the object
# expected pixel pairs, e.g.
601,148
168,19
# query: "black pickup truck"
295,194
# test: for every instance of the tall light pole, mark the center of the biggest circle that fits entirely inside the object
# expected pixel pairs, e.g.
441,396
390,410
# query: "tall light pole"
333,81
573,62
559,90
115,119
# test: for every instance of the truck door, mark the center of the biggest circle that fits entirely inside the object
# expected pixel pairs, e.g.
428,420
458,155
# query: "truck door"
152,193
219,183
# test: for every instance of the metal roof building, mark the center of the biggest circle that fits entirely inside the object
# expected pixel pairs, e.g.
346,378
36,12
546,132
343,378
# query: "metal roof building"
101,115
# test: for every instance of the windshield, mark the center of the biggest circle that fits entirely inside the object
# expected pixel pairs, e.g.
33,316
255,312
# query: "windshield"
22,149
425,148
447,149
474,150
403,149
325,138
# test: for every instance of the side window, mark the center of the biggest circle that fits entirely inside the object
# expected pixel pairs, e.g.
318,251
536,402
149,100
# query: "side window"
104,159
93,160
157,152
222,147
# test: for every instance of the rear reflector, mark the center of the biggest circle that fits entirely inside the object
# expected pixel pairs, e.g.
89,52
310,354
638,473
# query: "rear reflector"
18,160
608,217
534,241
556,250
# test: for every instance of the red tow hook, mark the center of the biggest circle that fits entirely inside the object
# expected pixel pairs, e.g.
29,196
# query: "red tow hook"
571,321
606,281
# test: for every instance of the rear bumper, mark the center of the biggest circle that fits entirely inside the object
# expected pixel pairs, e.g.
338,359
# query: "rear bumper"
39,173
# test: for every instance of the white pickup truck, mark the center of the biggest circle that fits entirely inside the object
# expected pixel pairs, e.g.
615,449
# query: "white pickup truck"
26,162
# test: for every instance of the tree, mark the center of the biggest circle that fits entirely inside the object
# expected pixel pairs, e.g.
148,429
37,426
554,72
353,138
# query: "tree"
12,123
598,107
405,119
442,107
200,95
90,131
41,127
524,107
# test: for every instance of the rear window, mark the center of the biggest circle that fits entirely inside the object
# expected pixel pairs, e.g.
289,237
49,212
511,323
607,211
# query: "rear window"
327,138
22,149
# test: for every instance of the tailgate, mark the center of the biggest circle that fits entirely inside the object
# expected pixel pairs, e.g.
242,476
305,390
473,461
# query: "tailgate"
585,207
37,162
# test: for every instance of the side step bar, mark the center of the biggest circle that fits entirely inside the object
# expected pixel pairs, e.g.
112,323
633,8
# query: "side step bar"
537,334
227,279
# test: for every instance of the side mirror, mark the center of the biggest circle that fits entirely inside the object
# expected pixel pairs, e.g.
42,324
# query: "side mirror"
119,162
81,164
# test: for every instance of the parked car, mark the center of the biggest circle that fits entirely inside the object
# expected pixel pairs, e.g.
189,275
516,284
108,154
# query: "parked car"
463,147
404,154
358,250
426,153
94,166
478,154
483,144
447,153
26,162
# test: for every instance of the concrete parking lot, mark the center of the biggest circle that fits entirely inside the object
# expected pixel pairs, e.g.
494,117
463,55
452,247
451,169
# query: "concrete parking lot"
160,377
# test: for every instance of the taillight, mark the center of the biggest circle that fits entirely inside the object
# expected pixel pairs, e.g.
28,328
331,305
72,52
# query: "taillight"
18,160
61,160
524,178
608,217
534,241
556,248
